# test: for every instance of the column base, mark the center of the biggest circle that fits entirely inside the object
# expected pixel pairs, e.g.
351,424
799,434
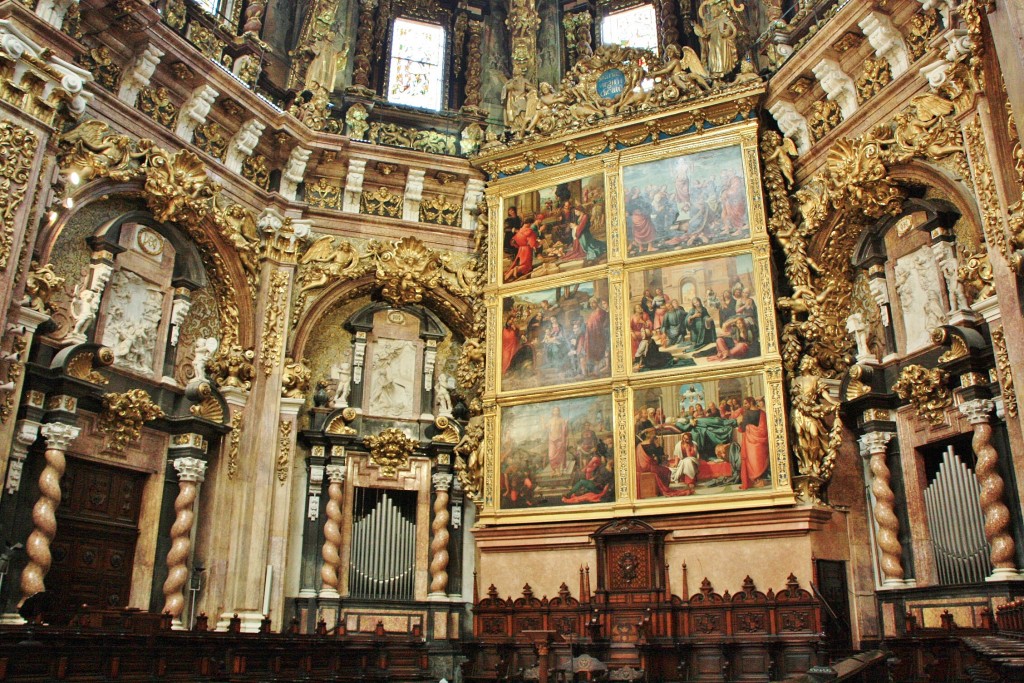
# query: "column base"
898,584
1006,575
437,597
11,619
307,593
329,593
176,624
250,619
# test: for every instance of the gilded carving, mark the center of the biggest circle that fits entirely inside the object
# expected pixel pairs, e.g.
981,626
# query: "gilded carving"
875,75
390,451
1005,372
381,202
232,367
816,424
233,443
447,431
295,379
18,147
101,65
322,194
284,449
984,187
255,169
212,139
825,115
207,407
123,416
273,319
924,26
156,104
40,285
927,391
82,365
440,211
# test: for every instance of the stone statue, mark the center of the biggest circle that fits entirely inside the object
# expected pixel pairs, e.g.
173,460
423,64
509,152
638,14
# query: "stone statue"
204,349
342,373
857,326
83,310
442,397
717,31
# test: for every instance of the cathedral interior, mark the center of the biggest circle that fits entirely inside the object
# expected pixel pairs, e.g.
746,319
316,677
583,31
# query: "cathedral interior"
511,340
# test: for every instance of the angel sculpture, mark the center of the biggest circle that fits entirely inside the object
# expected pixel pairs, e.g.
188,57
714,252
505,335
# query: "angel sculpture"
684,69
783,155
325,260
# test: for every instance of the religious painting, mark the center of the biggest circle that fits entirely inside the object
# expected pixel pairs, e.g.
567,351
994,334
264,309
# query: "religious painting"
692,314
554,229
557,453
555,336
693,200
701,438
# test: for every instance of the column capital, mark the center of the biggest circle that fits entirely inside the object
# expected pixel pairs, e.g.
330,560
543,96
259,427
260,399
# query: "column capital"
874,442
190,469
977,410
59,435
335,473
442,481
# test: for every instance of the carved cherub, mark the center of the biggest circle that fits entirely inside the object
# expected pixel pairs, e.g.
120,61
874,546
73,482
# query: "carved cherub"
326,260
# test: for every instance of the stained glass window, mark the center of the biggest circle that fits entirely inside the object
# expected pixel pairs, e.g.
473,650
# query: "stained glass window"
633,27
416,76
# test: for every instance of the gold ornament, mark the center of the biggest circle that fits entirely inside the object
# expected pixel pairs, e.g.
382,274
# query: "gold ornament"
295,379
926,390
40,285
390,451
123,416
233,367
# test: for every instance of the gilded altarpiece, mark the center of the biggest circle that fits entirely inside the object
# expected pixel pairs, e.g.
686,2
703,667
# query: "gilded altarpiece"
633,363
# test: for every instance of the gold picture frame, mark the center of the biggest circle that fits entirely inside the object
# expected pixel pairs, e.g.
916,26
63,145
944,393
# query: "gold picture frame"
747,258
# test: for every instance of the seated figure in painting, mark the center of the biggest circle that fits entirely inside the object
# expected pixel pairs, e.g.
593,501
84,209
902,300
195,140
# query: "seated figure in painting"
649,457
684,463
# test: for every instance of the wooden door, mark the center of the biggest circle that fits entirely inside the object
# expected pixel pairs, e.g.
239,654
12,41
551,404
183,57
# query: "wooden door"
97,528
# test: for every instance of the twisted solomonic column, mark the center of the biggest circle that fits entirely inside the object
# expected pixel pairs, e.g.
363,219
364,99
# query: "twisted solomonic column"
875,445
58,437
191,472
439,541
997,515
332,533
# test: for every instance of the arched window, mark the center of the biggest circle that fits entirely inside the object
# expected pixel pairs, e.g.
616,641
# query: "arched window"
635,26
416,68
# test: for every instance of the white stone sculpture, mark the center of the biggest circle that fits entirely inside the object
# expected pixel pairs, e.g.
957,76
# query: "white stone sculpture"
194,111
242,144
857,326
293,172
792,124
413,194
342,373
138,76
179,309
83,311
442,395
887,41
392,379
354,185
919,291
204,349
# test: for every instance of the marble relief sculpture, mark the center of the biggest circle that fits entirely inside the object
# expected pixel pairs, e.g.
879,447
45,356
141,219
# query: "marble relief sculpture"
394,366
84,307
918,289
442,395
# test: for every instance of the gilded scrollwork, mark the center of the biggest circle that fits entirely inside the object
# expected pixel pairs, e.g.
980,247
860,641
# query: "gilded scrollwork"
123,416
440,211
156,104
1005,372
176,188
295,379
40,285
927,391
284,449
18,147
875,75
381,202
100,63
232,367
390,450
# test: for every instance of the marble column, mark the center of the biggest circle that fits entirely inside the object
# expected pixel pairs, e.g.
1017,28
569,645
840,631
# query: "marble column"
191,472
58,436
332,532
875,446
993,506
439,541
311,528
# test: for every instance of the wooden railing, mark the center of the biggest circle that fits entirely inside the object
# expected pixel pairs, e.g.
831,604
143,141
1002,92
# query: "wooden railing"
134,646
